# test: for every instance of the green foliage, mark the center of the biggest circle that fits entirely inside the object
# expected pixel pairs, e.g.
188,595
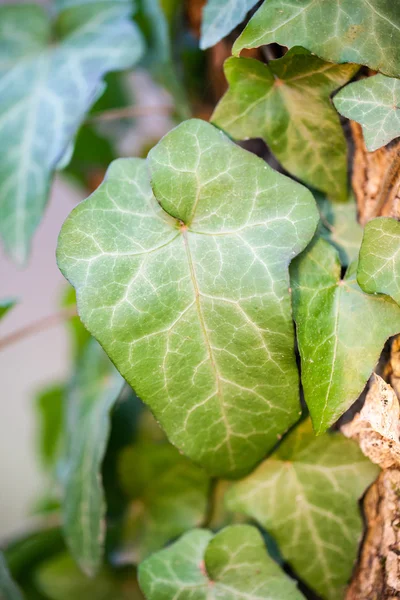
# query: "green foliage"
47,88
379,267
356,31
233,563
8,588
305,494
338,349
6,304
50,407
220,17
156,296
373,102
278,102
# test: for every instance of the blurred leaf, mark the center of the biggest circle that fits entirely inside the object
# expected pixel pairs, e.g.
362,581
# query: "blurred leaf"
365,32
60,579
177,310
6,304
8,588
80,336
47,87
306,495
169,493
340,227
220,17
221,515
379,267
287,103
50,407
234,564
374,103
340,331
23,554
92,394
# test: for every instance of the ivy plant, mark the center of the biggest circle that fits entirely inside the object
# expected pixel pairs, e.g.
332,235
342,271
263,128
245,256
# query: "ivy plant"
226,308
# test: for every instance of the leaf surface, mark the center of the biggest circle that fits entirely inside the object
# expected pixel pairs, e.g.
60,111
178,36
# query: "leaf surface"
220,17
340,331
50,407
96,387
366,32
46,89
231,565
287,103
169,496
189,295
374,102
339,225
8,588
306,495
379,267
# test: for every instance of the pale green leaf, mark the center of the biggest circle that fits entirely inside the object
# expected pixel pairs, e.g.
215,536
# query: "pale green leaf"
6,304
220,17
374,102
46,89
187,291
379,266
306,495
339,225
365,32
60,579
169,496
340,332
287,103
232,565
96,387
8,588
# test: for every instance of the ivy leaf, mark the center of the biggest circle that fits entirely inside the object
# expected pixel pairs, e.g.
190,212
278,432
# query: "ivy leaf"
374,103
306,495
287,103
379,267
339,225
8,589
366,32
46,89
60,579
170,496
340,331
189,295
220,18
233,563
92,395
6,304
50,406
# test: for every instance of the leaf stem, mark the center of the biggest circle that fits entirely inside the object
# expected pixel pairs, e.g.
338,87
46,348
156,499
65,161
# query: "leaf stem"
37,326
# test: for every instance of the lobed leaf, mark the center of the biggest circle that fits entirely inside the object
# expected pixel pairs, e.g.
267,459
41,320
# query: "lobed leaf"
96,387
379,266
374,103
306,495
169,496
231,565
187,290
287,103
46,88
220,17
365,32
340,332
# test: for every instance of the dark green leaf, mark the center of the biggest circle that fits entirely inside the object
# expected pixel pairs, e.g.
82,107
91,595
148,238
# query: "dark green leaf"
8,589
50,407
6,304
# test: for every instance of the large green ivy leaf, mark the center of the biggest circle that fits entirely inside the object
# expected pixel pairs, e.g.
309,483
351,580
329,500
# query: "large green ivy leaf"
231,565
220,17
8,588
189,295
169,493
287,103
379,266
339,226
306,495
340,332
46,88
374,103
366,32
96,387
